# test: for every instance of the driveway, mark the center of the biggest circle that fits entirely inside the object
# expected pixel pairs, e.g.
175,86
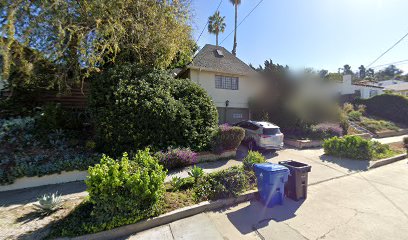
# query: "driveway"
365,205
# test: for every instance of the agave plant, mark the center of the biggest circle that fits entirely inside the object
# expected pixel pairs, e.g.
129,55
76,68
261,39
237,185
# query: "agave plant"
49,202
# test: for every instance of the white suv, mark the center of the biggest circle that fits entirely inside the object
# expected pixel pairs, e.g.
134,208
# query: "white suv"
262,135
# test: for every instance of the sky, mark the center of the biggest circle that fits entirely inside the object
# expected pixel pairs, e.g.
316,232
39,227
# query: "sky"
321,34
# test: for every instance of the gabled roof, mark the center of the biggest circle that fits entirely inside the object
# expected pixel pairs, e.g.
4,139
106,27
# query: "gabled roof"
218,59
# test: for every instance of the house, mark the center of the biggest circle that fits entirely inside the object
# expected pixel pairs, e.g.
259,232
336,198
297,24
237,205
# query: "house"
386,83
228,80
399,88
349,90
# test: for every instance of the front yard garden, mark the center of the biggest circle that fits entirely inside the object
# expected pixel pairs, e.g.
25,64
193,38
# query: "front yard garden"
128,190
370,123
30,146
379,114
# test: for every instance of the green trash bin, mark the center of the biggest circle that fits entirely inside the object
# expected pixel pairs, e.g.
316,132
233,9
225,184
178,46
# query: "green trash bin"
296,186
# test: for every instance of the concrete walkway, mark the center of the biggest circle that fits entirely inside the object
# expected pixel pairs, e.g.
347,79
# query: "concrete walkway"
390,139
367,205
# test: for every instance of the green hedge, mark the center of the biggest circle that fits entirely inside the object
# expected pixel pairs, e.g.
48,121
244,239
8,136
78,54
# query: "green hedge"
355,147
133,109
387,106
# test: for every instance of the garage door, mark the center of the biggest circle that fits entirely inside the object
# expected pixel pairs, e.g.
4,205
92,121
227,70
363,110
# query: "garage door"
232,115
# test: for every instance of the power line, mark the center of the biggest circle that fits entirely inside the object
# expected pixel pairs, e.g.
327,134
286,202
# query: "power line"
393,63
207,23
242,21
395,44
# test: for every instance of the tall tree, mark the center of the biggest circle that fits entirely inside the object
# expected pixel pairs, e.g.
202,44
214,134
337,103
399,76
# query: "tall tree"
362,72
389,72
370,73
347,69
83,37
216,24
235,3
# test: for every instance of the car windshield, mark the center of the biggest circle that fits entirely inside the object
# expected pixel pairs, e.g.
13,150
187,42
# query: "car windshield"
271,131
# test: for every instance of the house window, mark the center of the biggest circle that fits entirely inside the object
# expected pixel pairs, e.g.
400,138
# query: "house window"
224,82
237,115
373,93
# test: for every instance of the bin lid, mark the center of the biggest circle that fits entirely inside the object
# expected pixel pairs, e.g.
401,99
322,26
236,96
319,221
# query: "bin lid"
271,167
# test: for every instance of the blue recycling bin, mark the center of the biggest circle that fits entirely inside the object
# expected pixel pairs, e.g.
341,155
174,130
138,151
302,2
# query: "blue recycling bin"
271,179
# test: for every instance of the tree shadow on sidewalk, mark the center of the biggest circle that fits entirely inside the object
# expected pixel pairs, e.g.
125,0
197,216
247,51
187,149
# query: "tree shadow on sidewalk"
256,215
350,164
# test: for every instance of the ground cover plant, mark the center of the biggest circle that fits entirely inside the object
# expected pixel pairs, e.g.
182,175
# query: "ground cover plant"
375,126
28,148
357,115
390,107
355,147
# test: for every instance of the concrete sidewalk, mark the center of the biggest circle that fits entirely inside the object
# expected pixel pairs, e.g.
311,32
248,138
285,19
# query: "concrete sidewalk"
367,205
390,139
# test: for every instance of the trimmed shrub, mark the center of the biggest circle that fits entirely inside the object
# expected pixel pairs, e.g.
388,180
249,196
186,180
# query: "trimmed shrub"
124,191
177,157
26,152
355,147
387,106
252,158
227,138
354,115
222,184
405,140
133,108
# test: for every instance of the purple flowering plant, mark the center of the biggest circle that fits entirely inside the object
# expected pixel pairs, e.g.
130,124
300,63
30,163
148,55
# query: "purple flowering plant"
177,157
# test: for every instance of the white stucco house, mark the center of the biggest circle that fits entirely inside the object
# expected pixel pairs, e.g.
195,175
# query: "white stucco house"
228,80
362,90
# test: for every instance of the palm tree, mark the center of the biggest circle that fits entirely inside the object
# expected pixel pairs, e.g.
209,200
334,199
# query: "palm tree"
235,3
216,24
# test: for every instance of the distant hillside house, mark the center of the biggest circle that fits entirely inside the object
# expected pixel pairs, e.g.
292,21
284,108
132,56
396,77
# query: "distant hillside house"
349,90
400,88
228,80
386,83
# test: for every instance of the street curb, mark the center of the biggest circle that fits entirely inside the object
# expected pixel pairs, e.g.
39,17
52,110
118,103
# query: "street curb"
167,218
386,161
